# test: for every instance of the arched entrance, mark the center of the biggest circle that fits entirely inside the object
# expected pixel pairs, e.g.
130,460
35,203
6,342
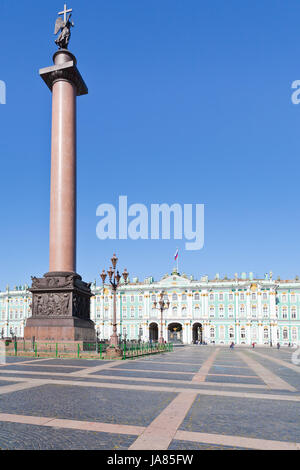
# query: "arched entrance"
197,333
153,332
175,333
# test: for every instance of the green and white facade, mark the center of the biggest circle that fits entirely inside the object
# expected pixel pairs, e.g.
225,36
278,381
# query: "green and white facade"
242,310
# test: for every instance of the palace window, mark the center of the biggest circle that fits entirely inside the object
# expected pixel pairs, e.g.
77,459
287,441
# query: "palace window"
231,332
266,333
183,310
174,297
293,298
124,298
211,311
140,312
285,333
196,297
221,311
294,334
284,312
265,310
265,296
221,296
132,298
106,299
242,296
140,298
212,332
211,296
183,296
132,312
294,312
242,309
243,333
153,298
283,297
253,311
253,296
230,310
230,296
197,311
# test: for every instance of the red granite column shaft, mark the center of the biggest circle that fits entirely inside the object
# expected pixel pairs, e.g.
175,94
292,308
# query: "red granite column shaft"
63,177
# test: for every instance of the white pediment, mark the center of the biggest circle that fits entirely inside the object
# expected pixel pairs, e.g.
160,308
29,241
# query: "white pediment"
174,280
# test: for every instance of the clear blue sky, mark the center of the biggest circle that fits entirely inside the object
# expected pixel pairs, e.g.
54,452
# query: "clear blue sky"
189,102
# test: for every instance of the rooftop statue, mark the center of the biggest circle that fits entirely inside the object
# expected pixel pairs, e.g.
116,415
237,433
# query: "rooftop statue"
64,25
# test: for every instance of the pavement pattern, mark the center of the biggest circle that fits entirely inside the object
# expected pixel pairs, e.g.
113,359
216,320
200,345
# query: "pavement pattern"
194,398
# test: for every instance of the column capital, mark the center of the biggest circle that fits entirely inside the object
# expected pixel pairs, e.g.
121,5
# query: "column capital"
64,68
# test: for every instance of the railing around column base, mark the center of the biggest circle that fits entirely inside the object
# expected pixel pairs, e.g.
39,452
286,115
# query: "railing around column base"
82,350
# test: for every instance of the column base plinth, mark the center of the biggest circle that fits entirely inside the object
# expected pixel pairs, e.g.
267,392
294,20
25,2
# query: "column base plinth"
60,309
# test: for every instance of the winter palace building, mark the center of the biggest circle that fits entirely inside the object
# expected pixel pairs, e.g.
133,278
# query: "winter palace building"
243,310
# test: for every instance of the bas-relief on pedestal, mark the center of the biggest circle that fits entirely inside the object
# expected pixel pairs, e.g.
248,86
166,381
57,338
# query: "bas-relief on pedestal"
60,308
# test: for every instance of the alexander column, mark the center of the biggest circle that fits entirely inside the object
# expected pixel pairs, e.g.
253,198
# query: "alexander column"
61,300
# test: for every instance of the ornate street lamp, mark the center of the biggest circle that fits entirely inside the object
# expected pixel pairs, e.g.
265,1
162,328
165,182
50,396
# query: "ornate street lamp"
114,279
140,334
124,334
163,305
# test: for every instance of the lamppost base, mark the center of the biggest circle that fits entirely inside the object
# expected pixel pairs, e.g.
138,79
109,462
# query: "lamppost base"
113,353
161,340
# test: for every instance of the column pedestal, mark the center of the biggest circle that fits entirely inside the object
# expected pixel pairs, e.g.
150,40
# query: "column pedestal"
60,309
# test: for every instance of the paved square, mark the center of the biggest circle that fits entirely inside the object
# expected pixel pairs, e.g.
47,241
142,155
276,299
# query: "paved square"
195,398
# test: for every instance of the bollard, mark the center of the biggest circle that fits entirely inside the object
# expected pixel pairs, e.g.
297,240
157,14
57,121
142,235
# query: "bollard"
56,350
78,350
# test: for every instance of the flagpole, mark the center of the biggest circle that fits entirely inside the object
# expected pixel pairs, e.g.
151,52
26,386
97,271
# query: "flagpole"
177,259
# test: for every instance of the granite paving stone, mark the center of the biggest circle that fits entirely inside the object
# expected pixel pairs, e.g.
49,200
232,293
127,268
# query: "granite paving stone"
262,419
187,445
160,367
87,403
151,375
236,380
16,436
40,368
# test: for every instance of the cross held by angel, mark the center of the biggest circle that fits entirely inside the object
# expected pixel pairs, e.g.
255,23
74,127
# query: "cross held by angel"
64,25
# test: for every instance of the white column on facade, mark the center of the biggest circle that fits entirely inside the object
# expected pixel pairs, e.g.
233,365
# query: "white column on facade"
185,332
248,306
259,306
248,332
237,318
25,302
260,332
6,328
190,305
93,308
273,319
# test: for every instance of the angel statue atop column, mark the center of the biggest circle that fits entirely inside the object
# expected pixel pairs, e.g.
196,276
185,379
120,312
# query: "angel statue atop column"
63,25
